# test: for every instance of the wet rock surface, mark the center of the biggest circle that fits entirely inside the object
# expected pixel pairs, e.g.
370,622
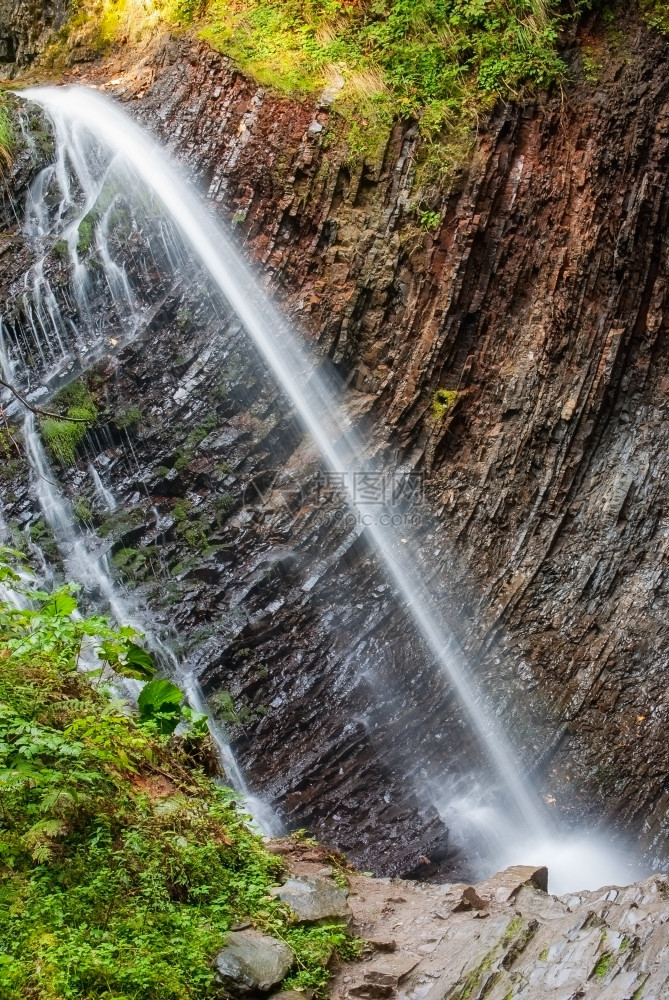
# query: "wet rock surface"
522,943
26,28
541,302
604,944
314,899
252,961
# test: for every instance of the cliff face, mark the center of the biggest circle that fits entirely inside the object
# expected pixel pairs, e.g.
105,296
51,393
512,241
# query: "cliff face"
540,299
26,27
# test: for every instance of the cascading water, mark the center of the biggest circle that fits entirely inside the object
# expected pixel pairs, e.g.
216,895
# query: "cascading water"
94,575
77,114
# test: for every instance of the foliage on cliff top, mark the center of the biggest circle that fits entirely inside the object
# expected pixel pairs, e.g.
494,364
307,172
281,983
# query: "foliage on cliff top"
123,864
442,61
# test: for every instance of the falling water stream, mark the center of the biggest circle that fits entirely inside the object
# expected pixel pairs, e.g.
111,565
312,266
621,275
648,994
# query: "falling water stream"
94,575
85,122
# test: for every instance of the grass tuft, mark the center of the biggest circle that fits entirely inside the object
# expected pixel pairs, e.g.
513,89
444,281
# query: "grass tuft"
7,135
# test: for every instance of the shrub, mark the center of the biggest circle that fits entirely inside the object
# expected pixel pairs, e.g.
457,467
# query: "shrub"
124,866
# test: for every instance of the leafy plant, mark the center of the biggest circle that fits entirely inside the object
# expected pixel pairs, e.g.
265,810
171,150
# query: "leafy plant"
429,220
124,866
159,702
656,14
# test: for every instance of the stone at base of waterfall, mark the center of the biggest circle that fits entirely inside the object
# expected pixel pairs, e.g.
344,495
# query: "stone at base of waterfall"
313,898
253,961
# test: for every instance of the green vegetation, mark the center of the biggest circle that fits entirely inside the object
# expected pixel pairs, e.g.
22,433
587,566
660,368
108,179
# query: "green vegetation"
442,62
225,709
131,416
656,13
194,531
134,565
443,402
429,220
10,456
63,437
124,865
82,510
603,966
121,520
7,135
86,233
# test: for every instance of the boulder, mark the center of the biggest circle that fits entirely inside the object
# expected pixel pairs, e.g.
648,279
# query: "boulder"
252,961
313,899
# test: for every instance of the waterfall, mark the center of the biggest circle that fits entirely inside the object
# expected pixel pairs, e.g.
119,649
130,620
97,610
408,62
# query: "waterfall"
86,123
310,395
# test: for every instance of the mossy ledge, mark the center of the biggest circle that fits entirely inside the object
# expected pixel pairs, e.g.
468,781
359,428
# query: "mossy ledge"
125,864
442,63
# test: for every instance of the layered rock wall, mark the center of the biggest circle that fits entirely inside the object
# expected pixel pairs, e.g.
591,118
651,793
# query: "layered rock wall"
539,305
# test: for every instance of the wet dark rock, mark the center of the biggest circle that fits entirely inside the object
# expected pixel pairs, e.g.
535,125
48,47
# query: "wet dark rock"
252,961
26,28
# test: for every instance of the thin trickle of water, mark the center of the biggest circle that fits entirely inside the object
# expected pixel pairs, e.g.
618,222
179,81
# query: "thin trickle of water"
93,573
339,446
105,496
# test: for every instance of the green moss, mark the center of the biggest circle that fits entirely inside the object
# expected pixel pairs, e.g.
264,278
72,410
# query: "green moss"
63,437
443,402
86,233
136,566
7,134
120,521
61,248
603,965
124,871
129,417
82,509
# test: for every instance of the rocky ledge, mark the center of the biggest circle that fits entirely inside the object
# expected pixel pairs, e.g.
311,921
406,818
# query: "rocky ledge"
501,939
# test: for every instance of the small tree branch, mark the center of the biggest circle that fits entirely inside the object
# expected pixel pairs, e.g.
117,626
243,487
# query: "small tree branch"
38,411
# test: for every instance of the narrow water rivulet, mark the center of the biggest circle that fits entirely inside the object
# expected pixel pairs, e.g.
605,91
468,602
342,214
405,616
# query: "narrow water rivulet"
85,125
92,572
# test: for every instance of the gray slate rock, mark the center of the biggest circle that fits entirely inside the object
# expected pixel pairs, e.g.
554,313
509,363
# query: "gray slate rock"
313,898
253,961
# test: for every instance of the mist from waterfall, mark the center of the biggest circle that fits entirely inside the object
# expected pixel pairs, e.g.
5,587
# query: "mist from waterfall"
86,124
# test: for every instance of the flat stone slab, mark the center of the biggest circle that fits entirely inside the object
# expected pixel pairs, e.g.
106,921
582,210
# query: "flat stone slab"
313,898
253,961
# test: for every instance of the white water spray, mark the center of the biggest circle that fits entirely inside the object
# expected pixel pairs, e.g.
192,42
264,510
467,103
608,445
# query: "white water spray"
74,109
